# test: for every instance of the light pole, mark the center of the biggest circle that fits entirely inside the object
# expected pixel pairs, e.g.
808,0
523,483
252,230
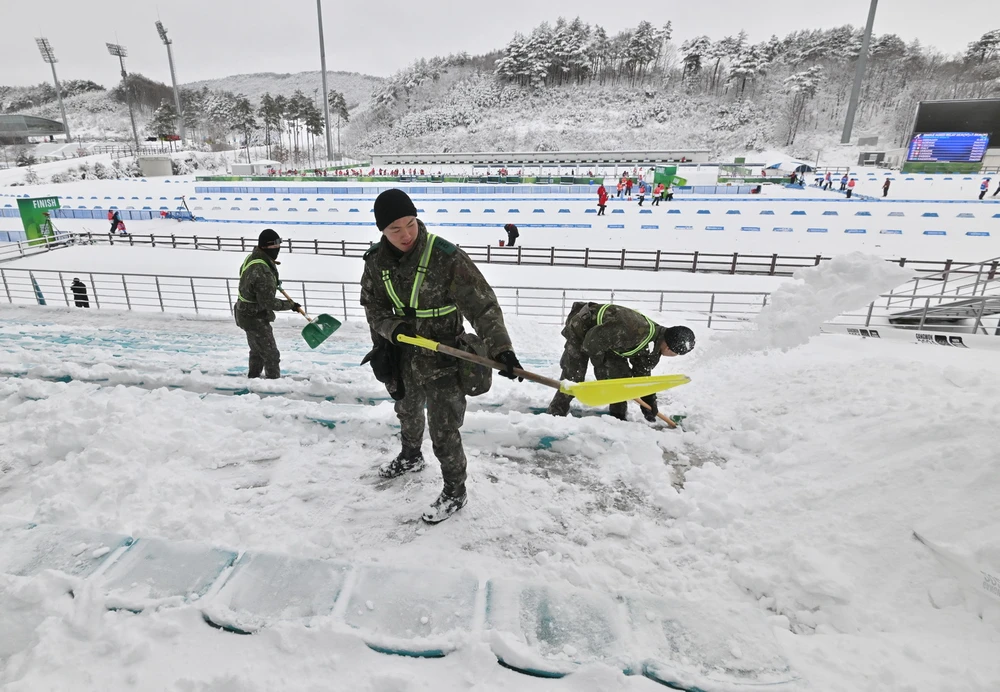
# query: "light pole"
50,57
173,78
121,52
859,75
326,96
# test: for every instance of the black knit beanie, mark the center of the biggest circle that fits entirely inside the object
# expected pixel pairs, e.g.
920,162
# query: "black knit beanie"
392,205
268,237
680,340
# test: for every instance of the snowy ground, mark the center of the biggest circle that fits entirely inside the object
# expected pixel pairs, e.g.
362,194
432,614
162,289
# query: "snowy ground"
806,463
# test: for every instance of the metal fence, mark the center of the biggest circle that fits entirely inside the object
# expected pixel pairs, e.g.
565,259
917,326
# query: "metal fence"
215,295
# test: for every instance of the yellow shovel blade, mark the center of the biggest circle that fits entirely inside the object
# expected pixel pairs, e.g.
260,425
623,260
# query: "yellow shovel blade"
419,341
604,392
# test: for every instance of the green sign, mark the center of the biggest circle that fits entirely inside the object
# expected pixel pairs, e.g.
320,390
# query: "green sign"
668,176
35,218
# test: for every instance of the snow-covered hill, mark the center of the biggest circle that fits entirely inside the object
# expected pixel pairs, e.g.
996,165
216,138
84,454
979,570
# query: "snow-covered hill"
356,88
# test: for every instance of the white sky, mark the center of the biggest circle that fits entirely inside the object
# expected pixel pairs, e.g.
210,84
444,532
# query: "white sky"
216,38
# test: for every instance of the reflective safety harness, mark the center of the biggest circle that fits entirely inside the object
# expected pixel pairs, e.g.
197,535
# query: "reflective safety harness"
247,263
413,309
642,344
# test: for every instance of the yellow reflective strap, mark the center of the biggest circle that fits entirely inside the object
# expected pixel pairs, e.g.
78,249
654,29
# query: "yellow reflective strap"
642,344
247,263
425,259
387,280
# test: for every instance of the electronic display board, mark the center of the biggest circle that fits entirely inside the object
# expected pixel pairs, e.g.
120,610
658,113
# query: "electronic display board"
948,147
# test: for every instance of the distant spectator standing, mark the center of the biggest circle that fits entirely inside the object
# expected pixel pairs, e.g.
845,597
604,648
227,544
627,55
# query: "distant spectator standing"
79,293
850,187
827,181
628,189
602,200
115,218
642,191
793,177
843,182
621,187
668,193
512,234
885,188
657,195
984,187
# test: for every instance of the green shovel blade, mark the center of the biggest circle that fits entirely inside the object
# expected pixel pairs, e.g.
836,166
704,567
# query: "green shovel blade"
317,331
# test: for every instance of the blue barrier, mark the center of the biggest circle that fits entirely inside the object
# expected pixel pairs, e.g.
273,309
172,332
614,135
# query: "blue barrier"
798,212
292,209
254,208
419,211
312,209
590,211
616,225
678,211
891,231
617,211
733,211
981,234
782,229
464,211
358,210
816,230
704,211
564,211
272,209
896,213
649,226
684,228
863,213
930,214
856,231
715,228
751,229
513,211
966,215
645,211
830,213
488,211
767,212
537,211
234,208
442,211
935,233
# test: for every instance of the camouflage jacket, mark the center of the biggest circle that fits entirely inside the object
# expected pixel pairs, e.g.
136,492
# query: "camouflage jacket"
452,279
258,284
621,331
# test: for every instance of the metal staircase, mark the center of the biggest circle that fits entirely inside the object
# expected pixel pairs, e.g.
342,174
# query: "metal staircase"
964,297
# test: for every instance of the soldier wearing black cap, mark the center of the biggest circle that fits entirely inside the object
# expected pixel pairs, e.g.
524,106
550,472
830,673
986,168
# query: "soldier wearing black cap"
416,283
620,342
255,305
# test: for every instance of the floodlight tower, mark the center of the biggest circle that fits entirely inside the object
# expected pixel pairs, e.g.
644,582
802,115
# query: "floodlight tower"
173,77
326,94
121,53
859,75
48,56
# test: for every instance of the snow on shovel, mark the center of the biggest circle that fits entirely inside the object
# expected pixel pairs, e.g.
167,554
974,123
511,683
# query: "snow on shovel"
597,393
319,329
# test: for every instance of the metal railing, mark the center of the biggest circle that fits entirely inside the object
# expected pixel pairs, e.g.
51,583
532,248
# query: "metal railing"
954,282
977,315
26,248
215,295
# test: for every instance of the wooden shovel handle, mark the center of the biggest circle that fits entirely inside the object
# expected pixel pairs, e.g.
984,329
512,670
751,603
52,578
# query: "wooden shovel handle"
289,298
659,415
489,363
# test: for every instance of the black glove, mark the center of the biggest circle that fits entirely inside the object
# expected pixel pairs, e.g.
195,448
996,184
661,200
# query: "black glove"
404,329
650,413
510,360
295,307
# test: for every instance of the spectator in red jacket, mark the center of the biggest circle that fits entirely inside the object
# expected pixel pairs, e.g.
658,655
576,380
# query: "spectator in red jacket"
602,200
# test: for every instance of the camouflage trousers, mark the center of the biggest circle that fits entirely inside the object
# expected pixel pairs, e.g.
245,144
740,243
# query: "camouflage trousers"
264,354
574,364
445,404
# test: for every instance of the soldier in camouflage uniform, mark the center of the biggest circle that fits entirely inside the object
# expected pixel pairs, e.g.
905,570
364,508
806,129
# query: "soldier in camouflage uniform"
415,283
620,342
255,305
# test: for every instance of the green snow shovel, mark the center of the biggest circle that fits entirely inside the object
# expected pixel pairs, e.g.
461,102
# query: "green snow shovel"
319,329
596,393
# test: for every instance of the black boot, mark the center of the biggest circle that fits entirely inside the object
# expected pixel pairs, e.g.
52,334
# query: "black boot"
444,506
407,460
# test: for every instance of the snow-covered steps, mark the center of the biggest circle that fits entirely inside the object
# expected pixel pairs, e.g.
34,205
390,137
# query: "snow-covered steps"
541,629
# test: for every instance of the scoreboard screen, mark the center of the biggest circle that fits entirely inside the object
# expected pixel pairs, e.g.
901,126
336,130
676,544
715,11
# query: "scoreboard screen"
948,147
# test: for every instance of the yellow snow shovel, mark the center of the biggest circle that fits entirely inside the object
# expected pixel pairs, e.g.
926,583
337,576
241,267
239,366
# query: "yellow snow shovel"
597,393
317,331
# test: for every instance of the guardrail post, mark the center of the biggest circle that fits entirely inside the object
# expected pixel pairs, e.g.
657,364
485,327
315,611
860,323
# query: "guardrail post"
488,247
923,315
819,258
979,316
111,239
711,309
732,269
343,248
195,242
90,238
62,285
622,263
305,301
902,261
586,256
343,297
6,288
152,240
218,243
93,287
243,244
694,262
229,296
159,294
289,246
517,301
656,268
552,256
661,301
128,302
564,302
868,318
774,263
316,246
173,241
518,254
194,296
993,271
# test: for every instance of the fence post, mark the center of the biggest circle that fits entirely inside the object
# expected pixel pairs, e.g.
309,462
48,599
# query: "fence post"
158,293
316,246
173,241
711,309
979,316
289,246
586,257
194,297
6,288
732,270
488,247
774,263
243,244
657,267
517,301
128,301
152,240
819,258
343,248
218,243
343,297
111,239
62,284
661,298
868,319
564,303
923,315
195,242
694,263
518,254
93,287
305,301
622,265
993,270
229,296
131,240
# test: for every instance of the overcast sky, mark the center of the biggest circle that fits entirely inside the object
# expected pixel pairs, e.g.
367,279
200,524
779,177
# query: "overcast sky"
216,38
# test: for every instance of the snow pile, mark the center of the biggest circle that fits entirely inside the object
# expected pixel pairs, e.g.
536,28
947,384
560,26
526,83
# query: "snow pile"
798,308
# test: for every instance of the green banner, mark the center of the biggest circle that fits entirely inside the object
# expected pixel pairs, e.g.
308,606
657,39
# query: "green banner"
35,218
